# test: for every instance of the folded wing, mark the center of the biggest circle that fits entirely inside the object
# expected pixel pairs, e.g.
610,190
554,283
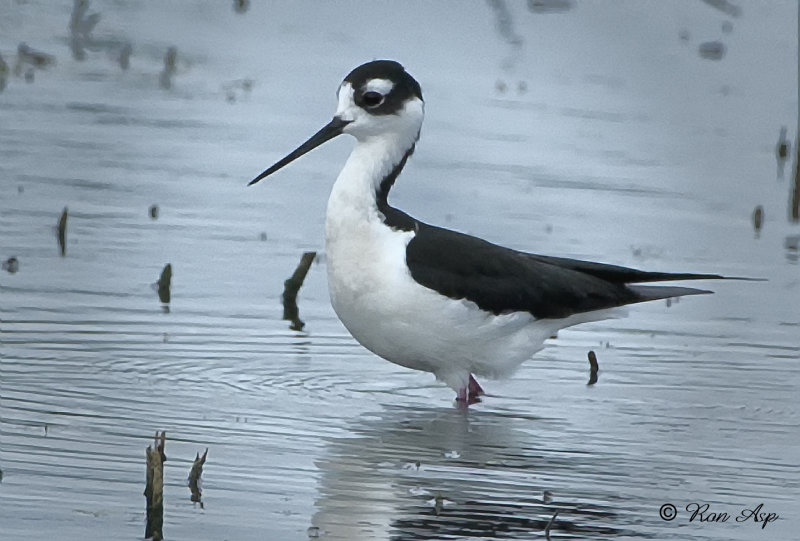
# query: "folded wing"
501,280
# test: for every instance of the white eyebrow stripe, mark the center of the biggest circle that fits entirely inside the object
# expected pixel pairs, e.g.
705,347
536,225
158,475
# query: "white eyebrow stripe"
381,86
345,99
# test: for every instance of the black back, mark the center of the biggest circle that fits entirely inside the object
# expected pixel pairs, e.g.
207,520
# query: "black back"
500,280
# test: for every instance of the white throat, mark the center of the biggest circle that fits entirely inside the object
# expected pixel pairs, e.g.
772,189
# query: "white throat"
355,190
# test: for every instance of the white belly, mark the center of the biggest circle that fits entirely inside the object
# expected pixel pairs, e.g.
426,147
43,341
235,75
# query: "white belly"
393,316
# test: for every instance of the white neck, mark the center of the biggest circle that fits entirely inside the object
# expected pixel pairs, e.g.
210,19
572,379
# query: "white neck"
354,193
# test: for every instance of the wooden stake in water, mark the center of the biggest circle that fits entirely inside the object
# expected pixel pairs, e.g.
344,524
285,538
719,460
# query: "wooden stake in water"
154,488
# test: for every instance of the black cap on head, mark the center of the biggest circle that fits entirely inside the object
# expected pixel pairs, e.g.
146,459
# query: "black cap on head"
405,86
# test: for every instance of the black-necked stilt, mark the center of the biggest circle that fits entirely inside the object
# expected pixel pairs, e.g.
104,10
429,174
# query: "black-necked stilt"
432,299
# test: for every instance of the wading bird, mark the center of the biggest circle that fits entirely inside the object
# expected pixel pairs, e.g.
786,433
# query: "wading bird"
429,298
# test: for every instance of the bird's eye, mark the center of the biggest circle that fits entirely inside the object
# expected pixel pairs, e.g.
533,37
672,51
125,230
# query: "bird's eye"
372,98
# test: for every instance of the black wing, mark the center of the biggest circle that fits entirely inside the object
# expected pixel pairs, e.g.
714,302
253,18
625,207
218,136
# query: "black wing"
501,280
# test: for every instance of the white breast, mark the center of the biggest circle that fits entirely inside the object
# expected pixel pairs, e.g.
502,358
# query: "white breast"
389,313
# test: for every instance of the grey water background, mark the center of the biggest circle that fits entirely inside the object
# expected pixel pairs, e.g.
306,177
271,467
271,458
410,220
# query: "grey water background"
593,130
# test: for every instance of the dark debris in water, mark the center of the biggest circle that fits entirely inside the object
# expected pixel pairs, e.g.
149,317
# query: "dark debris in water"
758,218
290,288
712,50
11,265
154,211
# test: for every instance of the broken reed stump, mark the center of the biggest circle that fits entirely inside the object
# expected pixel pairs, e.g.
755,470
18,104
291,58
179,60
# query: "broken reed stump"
194,477
154,488
62,232
290,289
164,284
594,368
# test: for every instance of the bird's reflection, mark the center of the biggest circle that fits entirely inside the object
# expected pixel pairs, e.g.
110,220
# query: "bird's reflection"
445,473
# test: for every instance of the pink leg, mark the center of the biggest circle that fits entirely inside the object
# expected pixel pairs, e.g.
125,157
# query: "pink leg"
470,394
474,387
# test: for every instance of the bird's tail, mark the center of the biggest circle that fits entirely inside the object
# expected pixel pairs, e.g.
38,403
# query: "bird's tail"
652,293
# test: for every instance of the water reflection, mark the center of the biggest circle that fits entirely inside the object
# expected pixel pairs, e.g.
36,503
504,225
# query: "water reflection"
11,265
549,6
170,68
792,245
440,473
81,26
725,6
3,73
782,149
29,59
758,220
712,50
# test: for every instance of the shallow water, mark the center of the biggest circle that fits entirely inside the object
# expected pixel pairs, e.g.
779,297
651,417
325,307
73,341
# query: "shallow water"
593,131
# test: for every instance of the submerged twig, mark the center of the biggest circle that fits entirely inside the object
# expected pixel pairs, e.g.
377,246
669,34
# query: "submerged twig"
550,525
290,289
194,477
154,488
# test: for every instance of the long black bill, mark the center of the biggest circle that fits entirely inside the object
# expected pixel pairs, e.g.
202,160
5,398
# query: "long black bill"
328,132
